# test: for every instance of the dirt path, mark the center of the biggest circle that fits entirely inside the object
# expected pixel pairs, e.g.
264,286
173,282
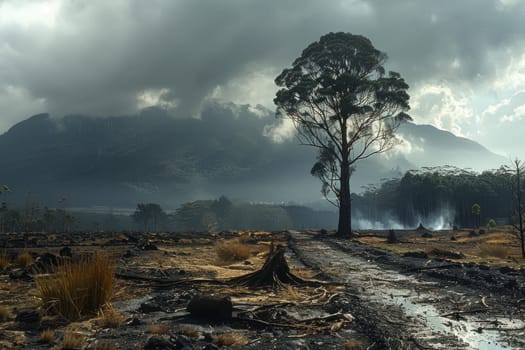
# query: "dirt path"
401,310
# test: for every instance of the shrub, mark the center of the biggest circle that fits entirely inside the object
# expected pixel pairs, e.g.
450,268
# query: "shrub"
72,340
229,339
495,250
232,251
4,260
24,258
110,318
47,336
160,328
354,344
78,288
5,313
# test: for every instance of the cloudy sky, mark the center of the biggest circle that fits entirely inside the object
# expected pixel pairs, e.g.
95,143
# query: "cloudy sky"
464,59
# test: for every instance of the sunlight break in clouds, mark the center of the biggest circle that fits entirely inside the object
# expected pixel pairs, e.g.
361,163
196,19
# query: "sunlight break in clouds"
441,106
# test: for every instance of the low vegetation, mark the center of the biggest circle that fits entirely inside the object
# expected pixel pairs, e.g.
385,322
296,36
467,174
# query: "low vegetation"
494,250
47,336
160,328
72,340
232,251
5,313
110,318
24,258
229,339
78,288
4,260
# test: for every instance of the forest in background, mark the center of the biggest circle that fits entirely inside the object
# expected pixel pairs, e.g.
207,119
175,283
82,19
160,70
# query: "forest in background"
437,197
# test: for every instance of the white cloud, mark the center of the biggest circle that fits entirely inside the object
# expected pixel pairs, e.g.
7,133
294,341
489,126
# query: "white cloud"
443,106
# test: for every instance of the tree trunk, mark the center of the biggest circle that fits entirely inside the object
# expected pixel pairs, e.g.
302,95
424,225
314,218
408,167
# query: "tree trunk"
344,228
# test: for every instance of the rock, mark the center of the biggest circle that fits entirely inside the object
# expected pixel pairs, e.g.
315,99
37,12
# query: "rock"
29,319
210,308
134,322
48,259
149,307
66,251
181,342
21,275
159,343
420,255
506,270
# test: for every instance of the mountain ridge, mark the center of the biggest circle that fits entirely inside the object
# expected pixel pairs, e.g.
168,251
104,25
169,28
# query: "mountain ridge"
156,157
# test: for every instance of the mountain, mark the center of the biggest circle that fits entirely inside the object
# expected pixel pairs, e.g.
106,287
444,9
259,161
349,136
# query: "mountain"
154,157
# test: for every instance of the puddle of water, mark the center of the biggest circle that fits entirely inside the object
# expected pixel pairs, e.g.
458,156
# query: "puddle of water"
464,330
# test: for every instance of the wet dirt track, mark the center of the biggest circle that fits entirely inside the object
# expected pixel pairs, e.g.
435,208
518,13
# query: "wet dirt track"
410,310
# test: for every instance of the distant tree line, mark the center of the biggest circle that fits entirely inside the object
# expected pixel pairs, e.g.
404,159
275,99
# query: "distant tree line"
473,199
35,219
223,214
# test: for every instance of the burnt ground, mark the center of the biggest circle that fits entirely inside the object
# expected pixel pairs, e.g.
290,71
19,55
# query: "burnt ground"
372,299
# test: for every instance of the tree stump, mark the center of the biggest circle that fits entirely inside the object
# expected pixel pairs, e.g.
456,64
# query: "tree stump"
274,273
210,308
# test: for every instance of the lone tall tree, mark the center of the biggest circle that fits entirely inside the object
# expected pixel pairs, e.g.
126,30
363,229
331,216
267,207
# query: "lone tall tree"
341,101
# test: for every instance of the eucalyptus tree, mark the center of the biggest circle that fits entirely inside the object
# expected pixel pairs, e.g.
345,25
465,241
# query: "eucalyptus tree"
341,101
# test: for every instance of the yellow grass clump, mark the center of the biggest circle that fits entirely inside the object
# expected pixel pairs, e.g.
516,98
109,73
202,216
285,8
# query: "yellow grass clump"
229,339
78,288
494,250
5,313
232,251
189,331
47,336
160,328
4,260
24,258
353,344
72,340
110,318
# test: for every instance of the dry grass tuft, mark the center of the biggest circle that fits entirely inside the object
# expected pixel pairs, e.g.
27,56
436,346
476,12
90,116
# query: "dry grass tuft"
229,339
189,331
4,260
106,345
47,336
5,313
110,318
78,288
232,251
160,328
494,250
354,344
24,258
290,293
72,340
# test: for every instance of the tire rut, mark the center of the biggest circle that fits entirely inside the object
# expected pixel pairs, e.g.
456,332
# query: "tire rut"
397,311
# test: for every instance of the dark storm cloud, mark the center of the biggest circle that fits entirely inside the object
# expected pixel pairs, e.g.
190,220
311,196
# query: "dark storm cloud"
98,56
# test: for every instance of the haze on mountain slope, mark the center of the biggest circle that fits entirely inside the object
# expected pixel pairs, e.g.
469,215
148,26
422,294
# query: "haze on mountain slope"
153,157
